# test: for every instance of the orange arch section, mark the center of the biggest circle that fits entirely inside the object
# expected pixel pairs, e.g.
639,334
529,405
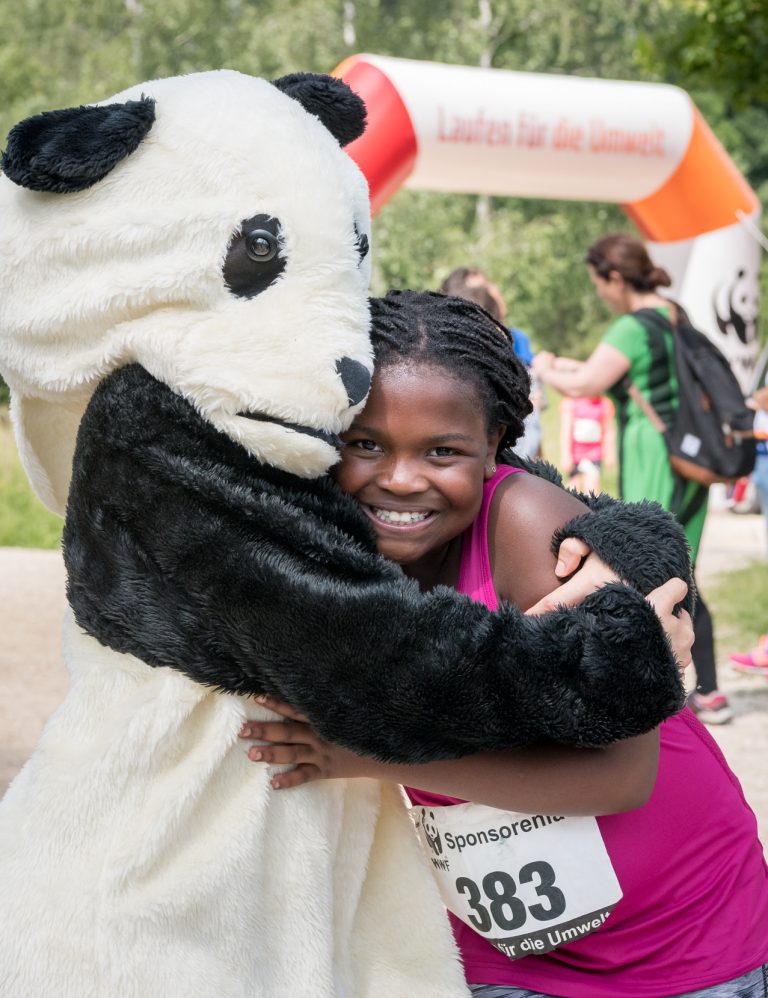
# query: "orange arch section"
704,193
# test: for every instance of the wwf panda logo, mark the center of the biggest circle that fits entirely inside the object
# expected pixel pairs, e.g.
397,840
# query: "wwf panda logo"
431,833
736,306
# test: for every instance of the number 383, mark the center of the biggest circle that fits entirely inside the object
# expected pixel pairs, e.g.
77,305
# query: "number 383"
497,903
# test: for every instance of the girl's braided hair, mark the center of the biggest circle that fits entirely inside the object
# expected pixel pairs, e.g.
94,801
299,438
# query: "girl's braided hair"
423,327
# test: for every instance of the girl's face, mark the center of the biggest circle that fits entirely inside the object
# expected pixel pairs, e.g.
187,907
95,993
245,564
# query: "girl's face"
612,289
416,457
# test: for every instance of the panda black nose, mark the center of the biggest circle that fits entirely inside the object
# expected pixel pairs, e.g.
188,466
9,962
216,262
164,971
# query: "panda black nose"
355,377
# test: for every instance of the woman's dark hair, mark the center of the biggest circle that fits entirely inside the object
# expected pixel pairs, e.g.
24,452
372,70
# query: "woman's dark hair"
424,327
628,256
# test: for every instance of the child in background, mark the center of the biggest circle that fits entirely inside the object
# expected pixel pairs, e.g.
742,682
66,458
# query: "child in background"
587,440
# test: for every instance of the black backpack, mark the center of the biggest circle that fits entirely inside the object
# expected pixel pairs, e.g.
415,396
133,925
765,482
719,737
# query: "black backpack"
709,438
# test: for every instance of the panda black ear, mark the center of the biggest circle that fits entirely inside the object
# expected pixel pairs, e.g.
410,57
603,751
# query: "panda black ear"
336,105
72,149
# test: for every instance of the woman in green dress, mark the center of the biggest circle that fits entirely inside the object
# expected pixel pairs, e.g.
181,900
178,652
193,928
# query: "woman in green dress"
626,279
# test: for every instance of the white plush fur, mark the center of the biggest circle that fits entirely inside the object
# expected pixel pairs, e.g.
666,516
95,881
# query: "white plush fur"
130,270
141,854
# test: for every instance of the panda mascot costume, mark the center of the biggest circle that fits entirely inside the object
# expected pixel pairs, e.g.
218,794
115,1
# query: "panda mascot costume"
183,325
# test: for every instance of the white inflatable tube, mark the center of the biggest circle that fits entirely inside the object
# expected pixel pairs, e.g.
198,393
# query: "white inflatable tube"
642,145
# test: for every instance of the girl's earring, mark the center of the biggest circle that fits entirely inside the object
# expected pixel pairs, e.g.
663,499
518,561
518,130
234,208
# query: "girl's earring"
490,471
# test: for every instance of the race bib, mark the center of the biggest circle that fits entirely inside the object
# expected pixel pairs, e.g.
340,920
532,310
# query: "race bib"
587,431
526,883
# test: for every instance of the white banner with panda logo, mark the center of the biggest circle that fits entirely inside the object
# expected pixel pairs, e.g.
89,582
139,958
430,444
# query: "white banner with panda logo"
526,883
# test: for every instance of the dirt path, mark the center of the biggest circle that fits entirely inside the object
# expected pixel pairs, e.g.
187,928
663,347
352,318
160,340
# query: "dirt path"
33,679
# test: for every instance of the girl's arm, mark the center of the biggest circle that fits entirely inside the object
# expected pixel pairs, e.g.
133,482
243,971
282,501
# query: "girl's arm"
548,779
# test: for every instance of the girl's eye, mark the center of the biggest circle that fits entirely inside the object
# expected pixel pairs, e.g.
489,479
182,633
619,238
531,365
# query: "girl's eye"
443,451
369,445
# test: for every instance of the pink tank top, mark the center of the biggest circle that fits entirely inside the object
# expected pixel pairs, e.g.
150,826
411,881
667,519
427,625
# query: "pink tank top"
691,868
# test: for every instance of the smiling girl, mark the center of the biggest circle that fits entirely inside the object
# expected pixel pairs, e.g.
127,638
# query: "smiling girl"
424,460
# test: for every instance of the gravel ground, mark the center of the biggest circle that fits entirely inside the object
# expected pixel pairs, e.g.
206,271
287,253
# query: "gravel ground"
33,679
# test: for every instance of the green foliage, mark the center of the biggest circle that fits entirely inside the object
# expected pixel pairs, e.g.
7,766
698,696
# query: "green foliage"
718,44
57,54
24,521
534,251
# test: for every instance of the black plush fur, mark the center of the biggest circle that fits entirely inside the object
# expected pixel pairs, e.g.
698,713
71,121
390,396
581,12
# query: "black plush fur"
335,103
70,150
184,551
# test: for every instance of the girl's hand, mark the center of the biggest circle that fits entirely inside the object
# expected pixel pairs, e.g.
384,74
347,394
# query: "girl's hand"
678,626
591,576
293,742
576,559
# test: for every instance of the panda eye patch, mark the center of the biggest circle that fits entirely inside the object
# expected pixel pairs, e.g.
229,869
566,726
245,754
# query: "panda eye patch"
363,244
255,258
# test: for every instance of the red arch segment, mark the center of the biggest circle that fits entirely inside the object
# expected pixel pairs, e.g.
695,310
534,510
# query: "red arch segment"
386,152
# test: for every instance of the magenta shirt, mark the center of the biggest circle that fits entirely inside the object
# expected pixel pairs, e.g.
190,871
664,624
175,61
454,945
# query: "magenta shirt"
695,882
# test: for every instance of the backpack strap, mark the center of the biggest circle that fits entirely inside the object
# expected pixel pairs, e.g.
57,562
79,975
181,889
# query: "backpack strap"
642,403
696,500
651,317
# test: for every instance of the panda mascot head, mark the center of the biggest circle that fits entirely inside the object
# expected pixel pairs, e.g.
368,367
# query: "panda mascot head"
210,228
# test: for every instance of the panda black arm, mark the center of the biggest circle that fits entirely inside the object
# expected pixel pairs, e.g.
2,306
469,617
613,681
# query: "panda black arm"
179,552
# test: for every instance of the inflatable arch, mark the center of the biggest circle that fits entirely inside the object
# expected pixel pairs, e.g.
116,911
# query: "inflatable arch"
643,145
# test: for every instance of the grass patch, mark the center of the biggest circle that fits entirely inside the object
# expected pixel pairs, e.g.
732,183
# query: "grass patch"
739,603
24,521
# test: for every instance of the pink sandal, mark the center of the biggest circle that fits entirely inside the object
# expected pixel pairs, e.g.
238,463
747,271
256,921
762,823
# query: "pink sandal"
753,663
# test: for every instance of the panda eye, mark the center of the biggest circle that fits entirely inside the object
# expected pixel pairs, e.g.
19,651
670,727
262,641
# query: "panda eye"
255,257
261,245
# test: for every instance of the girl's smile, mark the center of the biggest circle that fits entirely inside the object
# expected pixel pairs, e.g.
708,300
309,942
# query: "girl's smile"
415,458
399,519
